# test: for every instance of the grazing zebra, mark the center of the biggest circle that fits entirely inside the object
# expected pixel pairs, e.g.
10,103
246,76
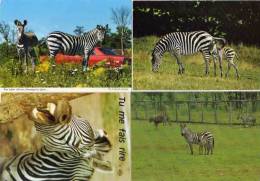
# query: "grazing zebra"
204,139
163,118
72,45
71,148
26,41
229,54
247,120
184,43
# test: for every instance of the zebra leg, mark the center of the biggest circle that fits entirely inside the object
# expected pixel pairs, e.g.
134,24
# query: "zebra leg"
228,68
206,56
181,67
215,66
191,149
220,65
26,61
235,67
32,61
85,61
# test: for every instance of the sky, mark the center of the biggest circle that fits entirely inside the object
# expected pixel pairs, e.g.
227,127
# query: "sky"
45,16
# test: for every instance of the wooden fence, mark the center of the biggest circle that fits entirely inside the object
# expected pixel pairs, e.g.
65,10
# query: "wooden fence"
210,112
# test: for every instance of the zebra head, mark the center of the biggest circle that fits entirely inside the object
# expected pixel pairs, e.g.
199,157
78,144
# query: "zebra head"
156,61
184,129
20,27
53,113
101,31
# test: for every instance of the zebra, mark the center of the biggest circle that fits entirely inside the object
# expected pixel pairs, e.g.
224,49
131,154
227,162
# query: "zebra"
184,43
204,139
26,41
71,148
247,120
229,54
71,45
162,118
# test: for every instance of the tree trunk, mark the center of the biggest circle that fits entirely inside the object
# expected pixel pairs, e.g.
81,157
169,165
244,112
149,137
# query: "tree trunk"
122,45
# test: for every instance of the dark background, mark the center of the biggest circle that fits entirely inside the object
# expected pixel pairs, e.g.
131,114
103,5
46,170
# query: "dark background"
238,22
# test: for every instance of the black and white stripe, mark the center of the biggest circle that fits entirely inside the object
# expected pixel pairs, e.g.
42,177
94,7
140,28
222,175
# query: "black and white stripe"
75,45
47,164
184,43
71,151
229,53
204,139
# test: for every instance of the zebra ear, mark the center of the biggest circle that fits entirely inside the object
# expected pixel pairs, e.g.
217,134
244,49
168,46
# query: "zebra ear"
63,111
16,22
98,27
25,22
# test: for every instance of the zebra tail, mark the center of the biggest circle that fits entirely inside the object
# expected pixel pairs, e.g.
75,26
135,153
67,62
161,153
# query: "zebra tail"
213,142
221,39
102,143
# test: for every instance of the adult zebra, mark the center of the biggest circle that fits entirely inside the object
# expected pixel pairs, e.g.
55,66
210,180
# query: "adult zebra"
69,147
26,41
204,139
75,45
185,43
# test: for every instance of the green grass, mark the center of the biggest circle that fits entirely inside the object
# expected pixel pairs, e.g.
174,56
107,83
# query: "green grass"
63,76
194,77
163,155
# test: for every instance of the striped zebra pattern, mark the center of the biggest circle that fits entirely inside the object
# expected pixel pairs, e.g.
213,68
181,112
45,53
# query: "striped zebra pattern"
24,45
229,53
184,43
46,164
204,139
75,45
71,148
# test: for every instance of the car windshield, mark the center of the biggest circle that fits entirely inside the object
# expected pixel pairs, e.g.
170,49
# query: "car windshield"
107,51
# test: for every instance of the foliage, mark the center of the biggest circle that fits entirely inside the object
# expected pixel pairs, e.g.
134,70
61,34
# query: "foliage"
65,75
193,78
163,154
237,21
79,30
121,17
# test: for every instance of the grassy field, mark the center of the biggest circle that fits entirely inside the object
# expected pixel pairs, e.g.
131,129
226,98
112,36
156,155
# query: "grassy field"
163,155
194,78
67,75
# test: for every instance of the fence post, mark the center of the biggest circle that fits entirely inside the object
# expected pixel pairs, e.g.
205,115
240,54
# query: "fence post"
176,106
230,113
189,111
215,112
202,113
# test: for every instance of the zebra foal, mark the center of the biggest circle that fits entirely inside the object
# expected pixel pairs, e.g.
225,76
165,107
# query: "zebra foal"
26,41
184,43
59,42
229,53
204,139
70,151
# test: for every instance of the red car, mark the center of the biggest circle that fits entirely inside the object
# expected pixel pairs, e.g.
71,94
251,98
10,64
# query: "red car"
99,54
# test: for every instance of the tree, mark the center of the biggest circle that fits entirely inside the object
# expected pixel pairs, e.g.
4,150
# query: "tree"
121,17
79,30
4,30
